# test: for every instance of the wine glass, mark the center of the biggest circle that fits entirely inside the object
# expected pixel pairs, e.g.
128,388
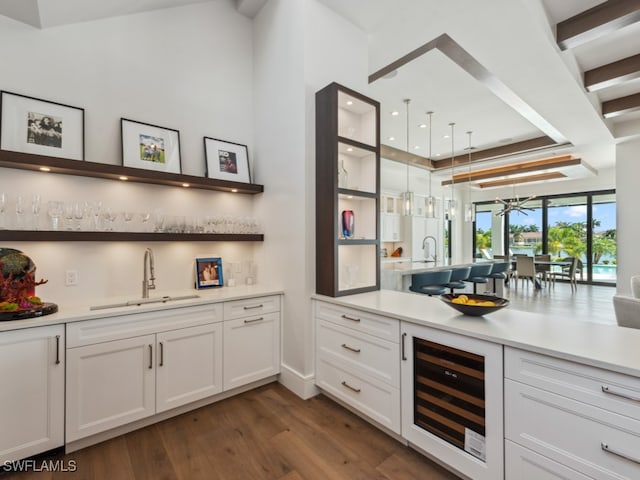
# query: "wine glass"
54,210
68,215
19,211
78,214
3,207
36,203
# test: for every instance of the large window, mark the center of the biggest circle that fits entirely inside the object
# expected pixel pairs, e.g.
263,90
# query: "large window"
576,225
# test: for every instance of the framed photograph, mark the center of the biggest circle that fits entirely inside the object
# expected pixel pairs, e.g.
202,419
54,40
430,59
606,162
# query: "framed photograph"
227,160
150,147
31,125
209,272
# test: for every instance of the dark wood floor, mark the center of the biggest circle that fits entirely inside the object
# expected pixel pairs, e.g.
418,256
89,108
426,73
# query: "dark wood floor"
267,433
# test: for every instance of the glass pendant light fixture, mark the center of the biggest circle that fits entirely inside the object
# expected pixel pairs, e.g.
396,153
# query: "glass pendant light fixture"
468,207
407,197
430,201
452,206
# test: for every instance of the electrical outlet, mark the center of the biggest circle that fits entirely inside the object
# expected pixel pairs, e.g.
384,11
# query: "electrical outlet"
71,278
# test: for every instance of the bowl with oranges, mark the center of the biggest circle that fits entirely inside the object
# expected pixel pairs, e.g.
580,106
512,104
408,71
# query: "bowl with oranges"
474,304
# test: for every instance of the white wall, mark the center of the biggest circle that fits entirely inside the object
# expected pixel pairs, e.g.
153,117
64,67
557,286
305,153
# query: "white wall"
188,68
300,46
627,196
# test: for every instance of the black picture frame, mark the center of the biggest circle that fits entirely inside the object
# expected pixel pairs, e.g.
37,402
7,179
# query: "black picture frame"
227,160
41,127
150,147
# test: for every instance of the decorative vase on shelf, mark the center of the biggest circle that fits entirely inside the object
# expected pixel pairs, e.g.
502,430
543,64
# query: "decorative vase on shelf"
343,176
348,223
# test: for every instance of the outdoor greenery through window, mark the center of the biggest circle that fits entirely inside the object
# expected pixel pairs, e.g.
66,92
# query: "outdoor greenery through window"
577,225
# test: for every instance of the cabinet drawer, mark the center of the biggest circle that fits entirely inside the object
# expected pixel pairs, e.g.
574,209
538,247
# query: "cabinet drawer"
524,464
612,391
376,325
89,332
360,352
251,306
375,399
572,433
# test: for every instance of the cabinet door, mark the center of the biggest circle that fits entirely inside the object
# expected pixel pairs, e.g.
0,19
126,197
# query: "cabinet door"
189,365
251,349
391,228
32,395
109,384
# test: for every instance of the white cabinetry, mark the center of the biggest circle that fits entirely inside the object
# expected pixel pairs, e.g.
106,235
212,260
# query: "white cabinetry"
390,218
126,368
251,340
358,361
32,392
591,426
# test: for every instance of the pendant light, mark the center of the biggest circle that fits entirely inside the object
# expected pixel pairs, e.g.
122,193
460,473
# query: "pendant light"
468,207
452,206
407,197
430,201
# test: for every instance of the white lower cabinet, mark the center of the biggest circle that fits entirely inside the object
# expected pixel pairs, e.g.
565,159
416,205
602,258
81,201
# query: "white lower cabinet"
32,367
570,418
112,383
358,361
251,340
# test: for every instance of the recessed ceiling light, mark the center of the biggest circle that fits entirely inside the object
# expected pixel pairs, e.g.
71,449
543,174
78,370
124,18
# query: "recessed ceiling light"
186,185
349,149
395,113
417,147
445,136
391,139
234,190
123,178
423,125
45,169
437,155
349,102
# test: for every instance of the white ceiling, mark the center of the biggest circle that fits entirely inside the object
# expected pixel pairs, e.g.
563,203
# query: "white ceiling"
433,82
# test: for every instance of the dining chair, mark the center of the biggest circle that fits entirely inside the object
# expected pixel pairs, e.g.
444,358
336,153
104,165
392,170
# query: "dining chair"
458,275
479,274
568,273
430,283
544,270
525,269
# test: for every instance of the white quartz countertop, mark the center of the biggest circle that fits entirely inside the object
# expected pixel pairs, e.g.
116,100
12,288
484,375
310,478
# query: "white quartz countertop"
606,346
409,268
81,311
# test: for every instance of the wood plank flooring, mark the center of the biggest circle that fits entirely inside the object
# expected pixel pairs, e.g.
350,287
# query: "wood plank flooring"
267,433
590,303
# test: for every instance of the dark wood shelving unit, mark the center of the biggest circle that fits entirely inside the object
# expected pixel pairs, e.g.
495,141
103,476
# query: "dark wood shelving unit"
76,236
28,161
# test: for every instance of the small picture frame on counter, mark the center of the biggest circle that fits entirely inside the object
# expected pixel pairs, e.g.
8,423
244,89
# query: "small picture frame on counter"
227,160
41,127
209,272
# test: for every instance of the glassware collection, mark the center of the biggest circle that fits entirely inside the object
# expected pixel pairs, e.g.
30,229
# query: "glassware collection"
95,216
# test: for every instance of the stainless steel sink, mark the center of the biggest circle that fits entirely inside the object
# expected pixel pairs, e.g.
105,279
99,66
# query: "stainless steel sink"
143,301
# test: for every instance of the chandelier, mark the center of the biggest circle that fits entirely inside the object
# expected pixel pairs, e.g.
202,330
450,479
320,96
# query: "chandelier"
516,205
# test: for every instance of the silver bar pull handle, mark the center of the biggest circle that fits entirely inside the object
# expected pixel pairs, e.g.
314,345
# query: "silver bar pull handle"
161,354
353,319
254,320
150,356
404,355
57,349
353,389
628,396
351,349
251,307
608,449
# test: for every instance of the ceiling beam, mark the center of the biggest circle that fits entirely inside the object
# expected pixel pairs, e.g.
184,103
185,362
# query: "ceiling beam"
530,178
620,106
516,148
392,153
612,74
515,169
597,21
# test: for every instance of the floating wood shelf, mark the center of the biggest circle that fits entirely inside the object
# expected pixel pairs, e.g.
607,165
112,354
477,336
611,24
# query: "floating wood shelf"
27,161
76,236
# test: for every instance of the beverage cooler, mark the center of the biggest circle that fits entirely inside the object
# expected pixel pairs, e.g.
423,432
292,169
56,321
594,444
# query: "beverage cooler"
452,410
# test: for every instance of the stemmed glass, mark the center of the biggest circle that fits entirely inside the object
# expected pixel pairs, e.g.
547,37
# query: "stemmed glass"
78,214
36,204
3,207
110,217
19,211
54,210
68,215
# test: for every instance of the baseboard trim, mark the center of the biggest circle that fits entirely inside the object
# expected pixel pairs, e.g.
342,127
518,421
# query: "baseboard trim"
302,385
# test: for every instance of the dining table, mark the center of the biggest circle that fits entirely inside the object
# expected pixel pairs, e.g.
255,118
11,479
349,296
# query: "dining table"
549,263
